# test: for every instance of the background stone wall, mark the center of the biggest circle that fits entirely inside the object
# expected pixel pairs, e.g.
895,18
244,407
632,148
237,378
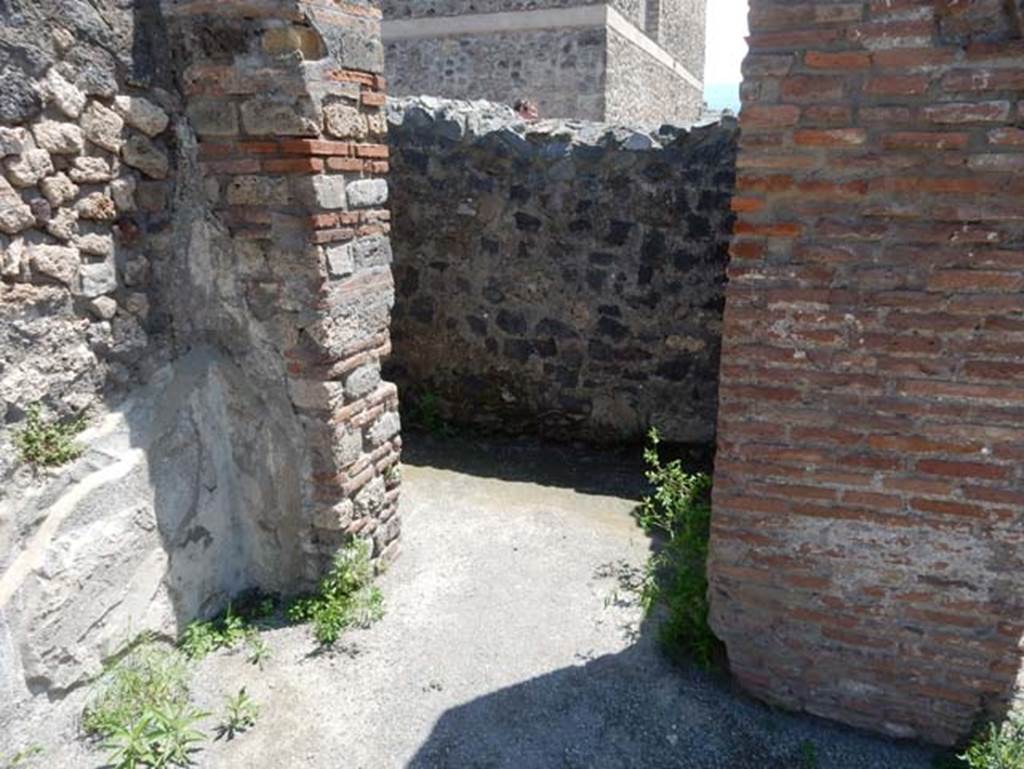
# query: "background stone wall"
560,70
559,278
591,73
643,91
867,562
195,250
682,31
399,9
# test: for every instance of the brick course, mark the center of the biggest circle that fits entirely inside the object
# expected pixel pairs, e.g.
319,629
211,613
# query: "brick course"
292,148
867,559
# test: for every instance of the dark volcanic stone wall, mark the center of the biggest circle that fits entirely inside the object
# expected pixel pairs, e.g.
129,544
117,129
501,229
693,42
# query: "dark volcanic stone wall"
558,278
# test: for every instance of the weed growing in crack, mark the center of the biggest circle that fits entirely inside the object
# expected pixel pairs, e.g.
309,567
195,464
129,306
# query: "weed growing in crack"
48,443
808,755
997,746
258,650
160,737
227,631
679,513
240,714
424,412
346,596
141,711
22,757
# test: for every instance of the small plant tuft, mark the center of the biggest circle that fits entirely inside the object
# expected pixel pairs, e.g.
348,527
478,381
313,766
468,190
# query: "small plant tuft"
259,651
424,412
240,714
141,711
808,755
22,757
202,638
45,443
678,511
998,746
346,596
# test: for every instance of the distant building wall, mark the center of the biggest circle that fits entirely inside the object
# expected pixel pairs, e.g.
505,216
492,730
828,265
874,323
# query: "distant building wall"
597,61
642,88
682,31
561,70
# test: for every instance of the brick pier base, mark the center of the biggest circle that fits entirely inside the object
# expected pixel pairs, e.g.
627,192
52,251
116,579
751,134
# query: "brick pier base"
868,549
286,98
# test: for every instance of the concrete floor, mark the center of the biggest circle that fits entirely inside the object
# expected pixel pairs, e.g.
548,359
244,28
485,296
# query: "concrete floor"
508,642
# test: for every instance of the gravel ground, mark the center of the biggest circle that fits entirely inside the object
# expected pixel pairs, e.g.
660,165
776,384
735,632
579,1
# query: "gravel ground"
508,642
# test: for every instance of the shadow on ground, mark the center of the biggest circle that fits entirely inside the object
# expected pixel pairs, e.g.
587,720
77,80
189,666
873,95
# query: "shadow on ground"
616,471
633,708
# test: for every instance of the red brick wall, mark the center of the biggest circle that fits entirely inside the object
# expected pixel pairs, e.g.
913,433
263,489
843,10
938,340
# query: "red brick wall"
868,547
286,100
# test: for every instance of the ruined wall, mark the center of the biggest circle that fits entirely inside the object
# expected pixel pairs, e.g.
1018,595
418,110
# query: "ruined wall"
86,169
592,61
295,175
867,560
562,279
196,251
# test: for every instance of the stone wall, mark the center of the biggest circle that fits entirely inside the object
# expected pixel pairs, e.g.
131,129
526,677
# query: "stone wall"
592,61
399,9
559,278
682,29
196,252
642,90
560,70
634,10
867,561
87,171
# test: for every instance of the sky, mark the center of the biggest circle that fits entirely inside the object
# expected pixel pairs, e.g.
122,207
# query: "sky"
726,47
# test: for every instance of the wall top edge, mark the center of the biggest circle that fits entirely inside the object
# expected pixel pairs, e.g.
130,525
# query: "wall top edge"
470,121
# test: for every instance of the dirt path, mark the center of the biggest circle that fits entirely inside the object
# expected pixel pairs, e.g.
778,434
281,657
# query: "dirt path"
508,643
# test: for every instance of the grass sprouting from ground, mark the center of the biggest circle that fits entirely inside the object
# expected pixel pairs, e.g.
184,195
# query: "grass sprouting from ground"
48,443
141,710
22,758
346,596
240,714
678,512
996,746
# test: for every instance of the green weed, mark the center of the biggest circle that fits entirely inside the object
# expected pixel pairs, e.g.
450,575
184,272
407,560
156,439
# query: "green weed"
424,412
259,651
141,709
160,737
808,755
679,512
22,757
346,596
48,443
202,638
240,714
999,746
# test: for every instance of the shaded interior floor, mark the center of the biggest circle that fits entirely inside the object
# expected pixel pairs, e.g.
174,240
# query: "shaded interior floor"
510,642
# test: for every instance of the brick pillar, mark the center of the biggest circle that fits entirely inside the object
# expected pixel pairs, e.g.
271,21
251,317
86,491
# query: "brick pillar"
867,555
286,100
